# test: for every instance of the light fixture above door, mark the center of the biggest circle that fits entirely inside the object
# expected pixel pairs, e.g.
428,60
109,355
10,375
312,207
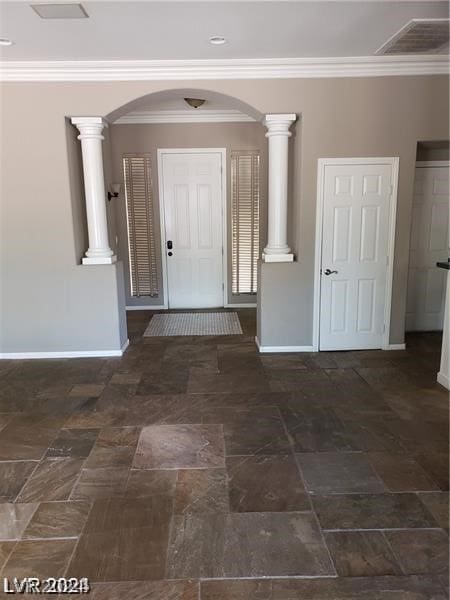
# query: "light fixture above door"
194,102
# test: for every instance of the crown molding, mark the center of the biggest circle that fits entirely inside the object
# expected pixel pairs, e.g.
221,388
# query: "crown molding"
260,68
183,116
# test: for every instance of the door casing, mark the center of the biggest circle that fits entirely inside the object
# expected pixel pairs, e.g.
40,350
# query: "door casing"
223,153
322,163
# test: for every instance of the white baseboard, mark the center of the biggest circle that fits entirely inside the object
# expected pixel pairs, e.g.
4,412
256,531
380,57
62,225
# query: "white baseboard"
395,347
147,307
240,305
443,379
263,349
64,354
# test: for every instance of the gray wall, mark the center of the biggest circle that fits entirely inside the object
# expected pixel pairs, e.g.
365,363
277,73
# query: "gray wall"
49,302
149,138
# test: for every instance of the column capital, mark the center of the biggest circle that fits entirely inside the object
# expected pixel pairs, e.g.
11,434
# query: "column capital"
89,127
278,124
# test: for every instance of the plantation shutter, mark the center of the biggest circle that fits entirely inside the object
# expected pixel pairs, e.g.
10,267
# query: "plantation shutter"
141,225
244,221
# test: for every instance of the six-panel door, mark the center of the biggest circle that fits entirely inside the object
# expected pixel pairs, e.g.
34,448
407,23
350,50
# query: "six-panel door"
354,249
429,245
193,223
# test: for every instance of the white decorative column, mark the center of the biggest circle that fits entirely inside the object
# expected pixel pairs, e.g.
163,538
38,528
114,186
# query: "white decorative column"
278,133
90,128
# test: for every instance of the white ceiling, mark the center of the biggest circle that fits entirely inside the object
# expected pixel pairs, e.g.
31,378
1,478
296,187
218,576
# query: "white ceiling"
180,30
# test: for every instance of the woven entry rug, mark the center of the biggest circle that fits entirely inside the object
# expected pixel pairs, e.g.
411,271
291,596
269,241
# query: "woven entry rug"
208,323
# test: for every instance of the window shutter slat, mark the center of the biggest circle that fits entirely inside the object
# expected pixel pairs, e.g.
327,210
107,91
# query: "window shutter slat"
140,225
244,221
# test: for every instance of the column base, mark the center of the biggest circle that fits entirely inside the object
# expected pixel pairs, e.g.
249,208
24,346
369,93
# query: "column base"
277,258
99,260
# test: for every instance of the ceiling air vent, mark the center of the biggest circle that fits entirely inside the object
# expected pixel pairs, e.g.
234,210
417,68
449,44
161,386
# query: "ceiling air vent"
60,11
419,36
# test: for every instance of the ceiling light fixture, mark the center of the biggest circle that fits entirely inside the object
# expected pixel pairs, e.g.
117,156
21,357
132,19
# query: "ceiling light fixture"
5,42
217,40
194,102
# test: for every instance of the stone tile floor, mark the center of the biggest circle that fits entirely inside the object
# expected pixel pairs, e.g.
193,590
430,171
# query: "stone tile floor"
193,467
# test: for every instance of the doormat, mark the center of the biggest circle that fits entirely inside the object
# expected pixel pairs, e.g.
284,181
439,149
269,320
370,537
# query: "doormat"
208,323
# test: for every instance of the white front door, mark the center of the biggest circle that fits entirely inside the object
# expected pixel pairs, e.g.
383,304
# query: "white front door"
355,239
429,244
192,200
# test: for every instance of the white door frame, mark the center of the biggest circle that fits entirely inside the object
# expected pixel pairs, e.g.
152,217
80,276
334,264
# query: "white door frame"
321,164
223,153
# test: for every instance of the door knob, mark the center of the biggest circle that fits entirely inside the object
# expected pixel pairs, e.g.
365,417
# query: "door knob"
328,272
169,254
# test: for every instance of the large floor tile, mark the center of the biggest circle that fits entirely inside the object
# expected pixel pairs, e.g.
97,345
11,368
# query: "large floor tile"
13,476
332,472
142,483
101,483
146,590
372,511
27,437
114,447
247,545
43,558
266,484
317,429
72,442
53,479
438,505
361,553
420,552
342,588
57,520
400,473
201,491
14,518
180,447
121,555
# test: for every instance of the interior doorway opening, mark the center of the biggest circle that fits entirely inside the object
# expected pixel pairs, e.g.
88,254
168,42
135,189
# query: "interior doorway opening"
228,212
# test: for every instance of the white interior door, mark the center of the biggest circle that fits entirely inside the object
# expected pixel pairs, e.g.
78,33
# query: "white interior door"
192,198
355,240
429,244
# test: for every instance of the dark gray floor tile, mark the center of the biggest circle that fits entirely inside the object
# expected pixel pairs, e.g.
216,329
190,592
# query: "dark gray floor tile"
438,505
372,511
420,552
317,429
436,465
72,442
332,472
247,545
400,472
361,553
266,484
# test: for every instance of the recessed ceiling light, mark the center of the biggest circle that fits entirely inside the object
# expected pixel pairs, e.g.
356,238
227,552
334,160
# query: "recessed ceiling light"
5,42
217,40
60,11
